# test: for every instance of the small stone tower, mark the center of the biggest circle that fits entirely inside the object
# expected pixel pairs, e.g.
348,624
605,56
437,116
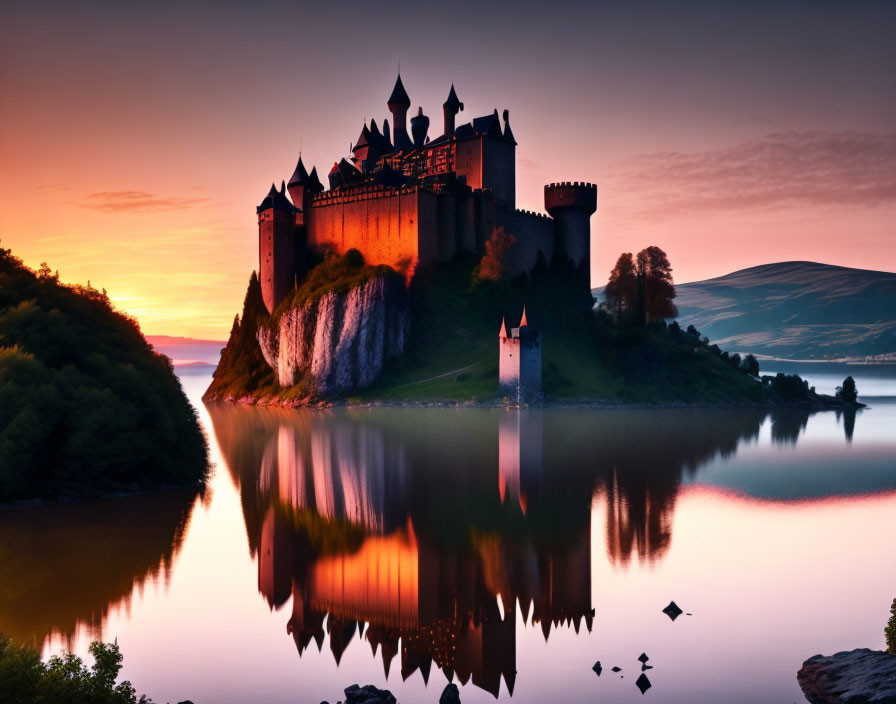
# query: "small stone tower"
571,205
519,361
276,246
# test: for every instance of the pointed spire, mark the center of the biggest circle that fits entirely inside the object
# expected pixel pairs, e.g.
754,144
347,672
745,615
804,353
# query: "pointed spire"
364,139
524,323
503,332
399,95
452,102
300,175
508,133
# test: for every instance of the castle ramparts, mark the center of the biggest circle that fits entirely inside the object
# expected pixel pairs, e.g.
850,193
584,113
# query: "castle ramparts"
406,200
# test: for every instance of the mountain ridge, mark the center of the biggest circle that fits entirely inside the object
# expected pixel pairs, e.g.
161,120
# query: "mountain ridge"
796,310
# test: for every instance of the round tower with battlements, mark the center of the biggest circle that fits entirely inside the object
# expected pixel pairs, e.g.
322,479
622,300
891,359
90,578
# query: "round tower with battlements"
571,205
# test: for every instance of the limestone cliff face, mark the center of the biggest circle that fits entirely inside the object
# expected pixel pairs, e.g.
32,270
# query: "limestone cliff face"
339,341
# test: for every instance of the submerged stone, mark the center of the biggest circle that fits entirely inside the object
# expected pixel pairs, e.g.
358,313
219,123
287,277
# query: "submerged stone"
597,668
617,669
673,611
860,676
643,683
643,658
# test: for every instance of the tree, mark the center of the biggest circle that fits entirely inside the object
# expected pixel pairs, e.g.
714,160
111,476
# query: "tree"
495,265
622,288
890,630
750,365
848,391
655,287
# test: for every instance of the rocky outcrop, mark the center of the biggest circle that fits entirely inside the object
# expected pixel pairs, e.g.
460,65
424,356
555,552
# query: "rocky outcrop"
855,677
339,341
368,694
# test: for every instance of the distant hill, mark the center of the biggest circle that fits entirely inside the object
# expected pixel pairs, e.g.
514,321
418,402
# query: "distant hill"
796,310
186,351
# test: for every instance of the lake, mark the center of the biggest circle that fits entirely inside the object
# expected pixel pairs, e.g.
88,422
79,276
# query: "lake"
506,550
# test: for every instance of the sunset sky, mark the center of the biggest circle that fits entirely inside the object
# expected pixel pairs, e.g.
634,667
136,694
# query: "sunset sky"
137,138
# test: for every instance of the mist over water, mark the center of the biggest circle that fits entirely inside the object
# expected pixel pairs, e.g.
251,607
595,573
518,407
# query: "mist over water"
505,550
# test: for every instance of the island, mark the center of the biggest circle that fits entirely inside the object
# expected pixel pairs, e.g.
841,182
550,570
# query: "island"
414,279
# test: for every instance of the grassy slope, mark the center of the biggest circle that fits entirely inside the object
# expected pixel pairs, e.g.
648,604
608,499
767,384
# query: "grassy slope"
454,328
452,352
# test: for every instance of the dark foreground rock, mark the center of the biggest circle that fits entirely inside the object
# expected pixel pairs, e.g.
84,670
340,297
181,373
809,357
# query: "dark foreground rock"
450,695
368,694
853,677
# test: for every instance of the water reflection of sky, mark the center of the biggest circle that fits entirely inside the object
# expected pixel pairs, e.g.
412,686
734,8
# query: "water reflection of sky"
360,546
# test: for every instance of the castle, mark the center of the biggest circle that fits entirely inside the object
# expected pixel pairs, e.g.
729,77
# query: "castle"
519,361
407,200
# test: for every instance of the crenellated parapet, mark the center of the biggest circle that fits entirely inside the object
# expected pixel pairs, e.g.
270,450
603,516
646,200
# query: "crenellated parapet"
570,194
571,204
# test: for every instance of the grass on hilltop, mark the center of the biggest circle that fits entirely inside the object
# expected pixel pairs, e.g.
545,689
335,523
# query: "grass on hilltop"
452,353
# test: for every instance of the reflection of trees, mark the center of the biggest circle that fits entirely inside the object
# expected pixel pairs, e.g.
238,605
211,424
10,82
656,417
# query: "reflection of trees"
64,566
788,424
418,522
849,422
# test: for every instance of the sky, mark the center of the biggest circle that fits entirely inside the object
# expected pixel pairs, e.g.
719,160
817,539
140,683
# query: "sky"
137,138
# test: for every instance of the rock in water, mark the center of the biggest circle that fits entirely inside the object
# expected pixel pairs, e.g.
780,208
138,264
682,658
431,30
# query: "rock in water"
852,677
340,341
672,610
368,694
643,683
597,668
450,695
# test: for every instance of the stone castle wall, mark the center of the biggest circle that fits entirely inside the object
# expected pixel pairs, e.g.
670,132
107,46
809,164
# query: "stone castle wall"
404,227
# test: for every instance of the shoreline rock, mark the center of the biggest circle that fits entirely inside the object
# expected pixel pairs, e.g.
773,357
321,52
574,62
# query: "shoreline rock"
860,676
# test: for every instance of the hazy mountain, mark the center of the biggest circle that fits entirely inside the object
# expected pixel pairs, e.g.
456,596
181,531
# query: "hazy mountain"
796,310
186,351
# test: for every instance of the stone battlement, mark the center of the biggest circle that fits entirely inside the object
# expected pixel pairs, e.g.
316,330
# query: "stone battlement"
571,194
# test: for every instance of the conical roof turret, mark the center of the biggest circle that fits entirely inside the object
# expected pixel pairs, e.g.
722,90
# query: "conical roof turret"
452,103
524,323
399,95
300,175
502,333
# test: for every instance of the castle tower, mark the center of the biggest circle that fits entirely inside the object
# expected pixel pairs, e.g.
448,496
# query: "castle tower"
398,104
450,108
519,362
419,128
571,205
300,189
276,246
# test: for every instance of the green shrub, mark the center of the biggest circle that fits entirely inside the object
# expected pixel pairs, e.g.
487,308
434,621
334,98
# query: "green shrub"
63,679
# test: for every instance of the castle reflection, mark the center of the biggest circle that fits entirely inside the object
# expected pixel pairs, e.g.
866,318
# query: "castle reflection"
421,531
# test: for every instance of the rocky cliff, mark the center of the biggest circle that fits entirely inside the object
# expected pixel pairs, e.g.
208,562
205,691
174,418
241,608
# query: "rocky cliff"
339,341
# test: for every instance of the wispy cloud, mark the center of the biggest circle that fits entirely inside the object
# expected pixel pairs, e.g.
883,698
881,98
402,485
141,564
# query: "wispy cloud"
780,170
137,202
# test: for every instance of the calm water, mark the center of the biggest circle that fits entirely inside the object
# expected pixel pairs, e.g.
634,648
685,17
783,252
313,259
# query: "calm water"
509,550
